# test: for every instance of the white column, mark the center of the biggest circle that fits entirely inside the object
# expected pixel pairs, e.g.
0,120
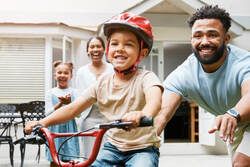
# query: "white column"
48,63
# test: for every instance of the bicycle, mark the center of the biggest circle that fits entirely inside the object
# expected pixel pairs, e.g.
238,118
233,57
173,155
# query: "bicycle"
41,134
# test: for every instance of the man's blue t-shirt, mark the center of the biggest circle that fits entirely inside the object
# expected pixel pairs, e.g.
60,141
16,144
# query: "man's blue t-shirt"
215,92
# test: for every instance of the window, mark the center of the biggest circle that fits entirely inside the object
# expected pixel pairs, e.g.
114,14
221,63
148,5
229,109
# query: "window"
62,50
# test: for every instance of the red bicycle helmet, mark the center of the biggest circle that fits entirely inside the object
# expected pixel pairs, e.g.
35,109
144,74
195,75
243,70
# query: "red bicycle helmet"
137,24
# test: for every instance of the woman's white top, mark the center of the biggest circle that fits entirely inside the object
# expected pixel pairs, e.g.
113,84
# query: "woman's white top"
85,77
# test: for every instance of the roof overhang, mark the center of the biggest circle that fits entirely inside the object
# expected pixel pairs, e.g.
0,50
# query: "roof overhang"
43,29
143,6
190,6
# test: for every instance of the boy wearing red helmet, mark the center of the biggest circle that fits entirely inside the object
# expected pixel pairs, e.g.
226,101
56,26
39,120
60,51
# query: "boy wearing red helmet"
129,94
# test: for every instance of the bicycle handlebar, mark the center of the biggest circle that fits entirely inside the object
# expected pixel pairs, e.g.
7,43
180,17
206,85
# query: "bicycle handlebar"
36,137
145,121
40,135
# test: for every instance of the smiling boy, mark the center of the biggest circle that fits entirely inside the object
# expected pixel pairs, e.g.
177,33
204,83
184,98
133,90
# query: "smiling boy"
129,94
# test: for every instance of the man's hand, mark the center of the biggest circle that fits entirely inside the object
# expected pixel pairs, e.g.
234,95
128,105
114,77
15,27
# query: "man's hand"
226,124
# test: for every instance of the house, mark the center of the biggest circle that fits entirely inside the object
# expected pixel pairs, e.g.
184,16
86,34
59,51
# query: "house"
27,51
188,128
33,34
31,40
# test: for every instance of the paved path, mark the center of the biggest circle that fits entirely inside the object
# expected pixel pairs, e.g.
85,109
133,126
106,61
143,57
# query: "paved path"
195,161
165,160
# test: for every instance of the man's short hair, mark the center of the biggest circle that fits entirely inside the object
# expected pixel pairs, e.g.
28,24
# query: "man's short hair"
211,12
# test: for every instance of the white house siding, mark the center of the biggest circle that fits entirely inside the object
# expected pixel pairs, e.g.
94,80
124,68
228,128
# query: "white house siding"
21,69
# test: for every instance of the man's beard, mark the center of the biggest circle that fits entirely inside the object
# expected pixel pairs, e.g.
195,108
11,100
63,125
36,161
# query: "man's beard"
214,58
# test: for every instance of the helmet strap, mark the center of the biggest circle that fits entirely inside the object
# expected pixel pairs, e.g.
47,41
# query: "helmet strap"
107,49
127,71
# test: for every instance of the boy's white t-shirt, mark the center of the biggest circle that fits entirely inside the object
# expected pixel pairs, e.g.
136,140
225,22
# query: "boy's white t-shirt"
114,101
85,77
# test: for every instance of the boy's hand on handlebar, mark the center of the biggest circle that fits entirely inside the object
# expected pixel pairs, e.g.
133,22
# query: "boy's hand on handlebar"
29,126
134,117
226,126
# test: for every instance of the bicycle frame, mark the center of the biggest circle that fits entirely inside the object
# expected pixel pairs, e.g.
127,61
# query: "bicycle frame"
97,131
50,136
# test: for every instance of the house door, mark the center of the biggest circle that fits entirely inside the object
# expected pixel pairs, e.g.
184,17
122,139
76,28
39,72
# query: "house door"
154,61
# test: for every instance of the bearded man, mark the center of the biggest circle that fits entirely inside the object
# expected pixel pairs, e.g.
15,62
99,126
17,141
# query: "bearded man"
217,77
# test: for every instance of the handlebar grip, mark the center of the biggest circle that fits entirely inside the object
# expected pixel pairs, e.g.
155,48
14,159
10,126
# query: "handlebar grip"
146,121
36,137
37,128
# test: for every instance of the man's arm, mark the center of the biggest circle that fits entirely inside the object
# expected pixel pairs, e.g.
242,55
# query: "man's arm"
243,106
227,124
170,103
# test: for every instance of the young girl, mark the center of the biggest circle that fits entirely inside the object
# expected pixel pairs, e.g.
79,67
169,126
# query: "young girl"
57,97
129,94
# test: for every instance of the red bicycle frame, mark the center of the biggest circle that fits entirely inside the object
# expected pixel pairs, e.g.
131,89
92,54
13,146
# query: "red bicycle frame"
98,131
50,136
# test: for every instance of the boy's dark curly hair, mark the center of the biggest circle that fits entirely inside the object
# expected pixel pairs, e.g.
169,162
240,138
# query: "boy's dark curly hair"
211,12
